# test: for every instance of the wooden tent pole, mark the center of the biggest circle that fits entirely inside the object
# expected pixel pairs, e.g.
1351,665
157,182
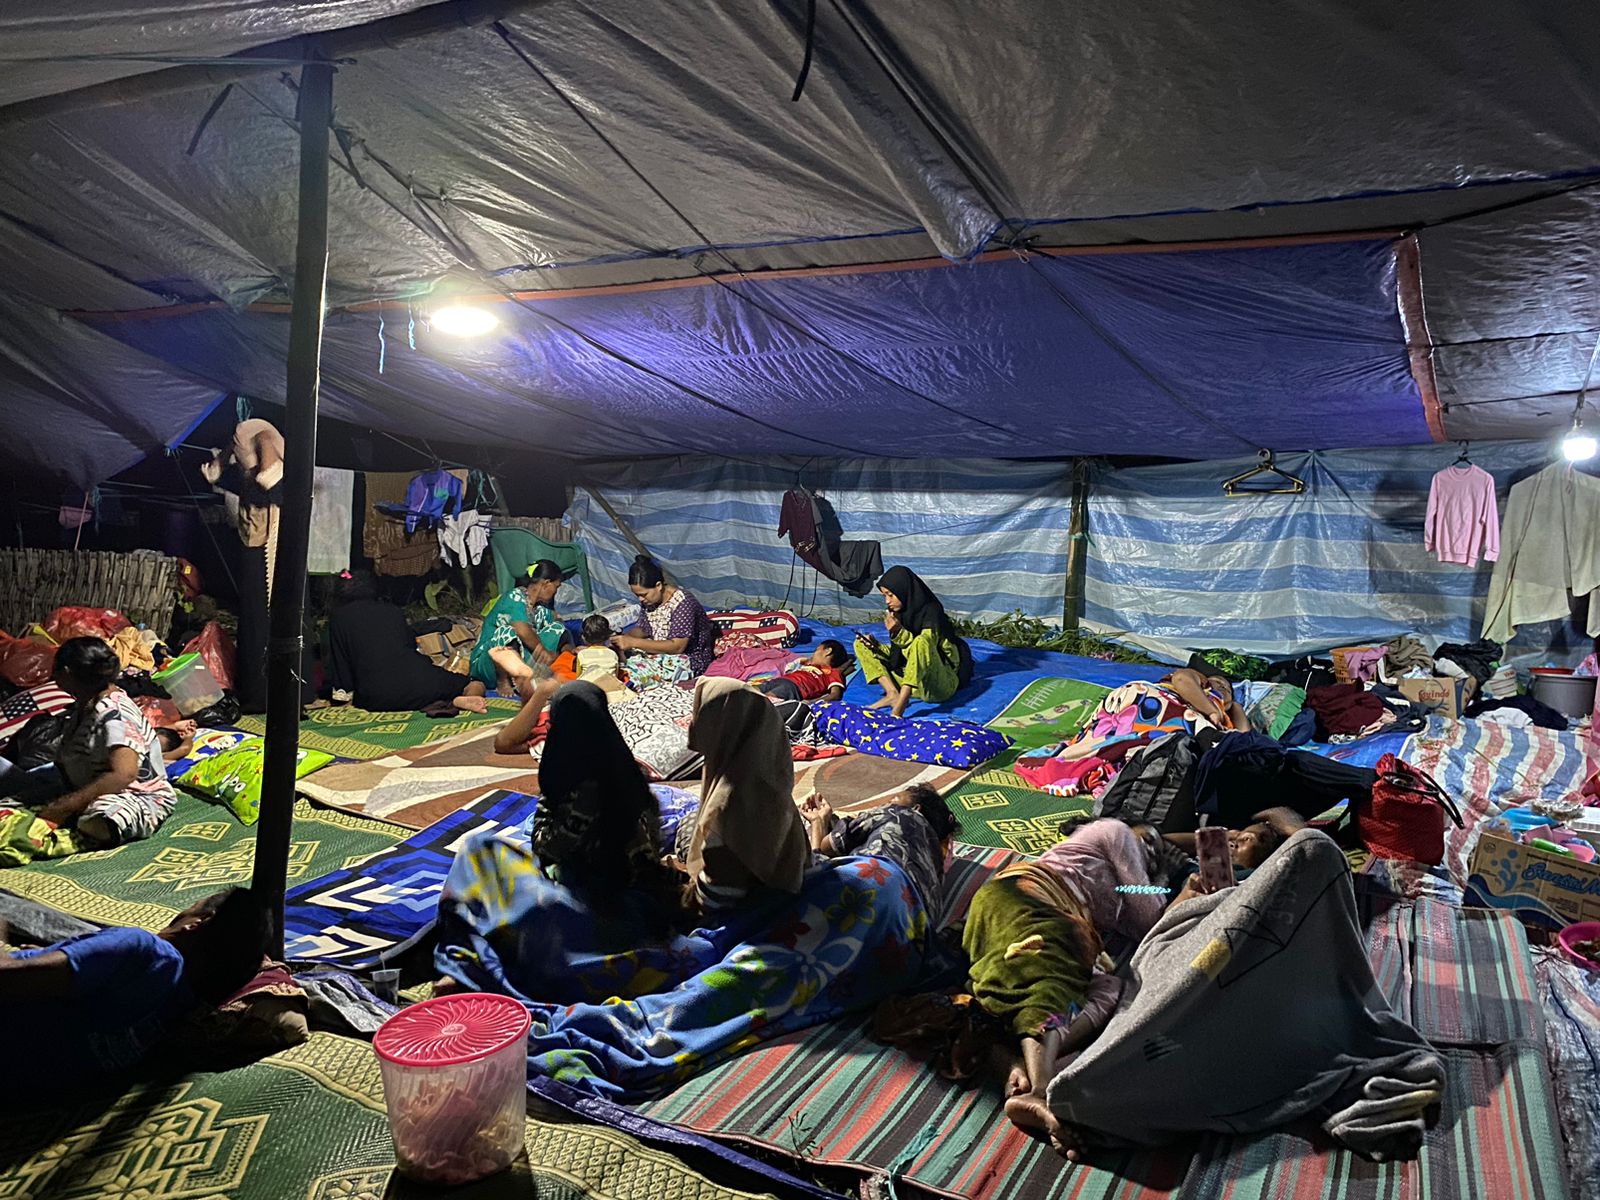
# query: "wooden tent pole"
287,613
1077,547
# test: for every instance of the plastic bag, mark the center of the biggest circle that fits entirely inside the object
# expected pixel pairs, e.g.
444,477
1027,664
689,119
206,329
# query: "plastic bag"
215,649
26,662
71,622
36,743
223,713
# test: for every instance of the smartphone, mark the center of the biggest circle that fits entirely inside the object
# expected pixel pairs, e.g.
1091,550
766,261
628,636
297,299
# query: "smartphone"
1216,858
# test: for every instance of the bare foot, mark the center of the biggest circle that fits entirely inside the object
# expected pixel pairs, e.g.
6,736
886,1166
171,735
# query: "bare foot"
1029,1113
882,702
471,704
1018,1083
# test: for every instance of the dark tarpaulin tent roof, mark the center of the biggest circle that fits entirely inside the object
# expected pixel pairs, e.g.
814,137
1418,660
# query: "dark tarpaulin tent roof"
545,148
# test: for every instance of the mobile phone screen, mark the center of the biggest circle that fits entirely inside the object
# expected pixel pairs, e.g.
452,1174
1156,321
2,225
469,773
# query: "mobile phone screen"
1216,858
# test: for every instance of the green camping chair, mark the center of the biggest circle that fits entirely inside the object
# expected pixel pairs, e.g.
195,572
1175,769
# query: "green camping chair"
515,550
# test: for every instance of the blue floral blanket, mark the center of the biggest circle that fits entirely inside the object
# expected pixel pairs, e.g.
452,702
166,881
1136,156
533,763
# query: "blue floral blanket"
622,1011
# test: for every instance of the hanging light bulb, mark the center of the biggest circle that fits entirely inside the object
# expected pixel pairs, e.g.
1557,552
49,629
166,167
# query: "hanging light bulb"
1578,445
463,320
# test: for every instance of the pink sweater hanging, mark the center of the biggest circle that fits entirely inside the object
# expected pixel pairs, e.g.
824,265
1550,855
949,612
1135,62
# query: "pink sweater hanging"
1463,518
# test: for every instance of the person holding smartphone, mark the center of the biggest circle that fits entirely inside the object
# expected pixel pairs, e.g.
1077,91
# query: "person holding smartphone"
924,658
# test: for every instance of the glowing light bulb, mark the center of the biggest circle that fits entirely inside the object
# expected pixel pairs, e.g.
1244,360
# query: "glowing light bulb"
1578,446
463,320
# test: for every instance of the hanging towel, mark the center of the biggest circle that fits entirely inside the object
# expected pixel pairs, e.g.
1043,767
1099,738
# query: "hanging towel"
333,495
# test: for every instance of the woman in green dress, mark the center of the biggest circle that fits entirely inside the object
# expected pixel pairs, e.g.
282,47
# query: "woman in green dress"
522,634
924,659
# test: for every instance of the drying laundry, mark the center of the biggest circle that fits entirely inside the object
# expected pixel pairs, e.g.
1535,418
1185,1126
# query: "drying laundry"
1550,552
1463,522
463,538
817,541
431,496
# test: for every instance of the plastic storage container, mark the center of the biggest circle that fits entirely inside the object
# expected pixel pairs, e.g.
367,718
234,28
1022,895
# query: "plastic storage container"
1569,694
190,683
455,1081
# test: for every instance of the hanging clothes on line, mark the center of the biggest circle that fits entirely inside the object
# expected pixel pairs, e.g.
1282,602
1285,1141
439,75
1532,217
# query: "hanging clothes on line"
383,536
464,538
814,533
432,495
1550,552
1463,522
332,520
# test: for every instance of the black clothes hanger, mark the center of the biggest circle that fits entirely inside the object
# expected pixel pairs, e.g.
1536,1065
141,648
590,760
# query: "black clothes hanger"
1269,480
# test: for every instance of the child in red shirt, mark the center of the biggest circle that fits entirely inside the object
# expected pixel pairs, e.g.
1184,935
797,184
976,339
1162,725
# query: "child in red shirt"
820,677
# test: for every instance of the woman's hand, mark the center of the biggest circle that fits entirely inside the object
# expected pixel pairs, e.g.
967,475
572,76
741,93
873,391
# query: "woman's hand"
622,643
542,656
891,621
1190,890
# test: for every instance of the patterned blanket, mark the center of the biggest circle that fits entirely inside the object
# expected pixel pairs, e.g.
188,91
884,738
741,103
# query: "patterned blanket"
350,732
1048,711
424,784
853,782
833,1096
365,911
1491,768
637,1014
374,908
307,1123
200,848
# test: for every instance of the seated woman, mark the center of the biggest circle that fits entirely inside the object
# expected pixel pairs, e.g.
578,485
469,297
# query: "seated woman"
925,658
374,662
109,779
913,831
747,837
674,639
1279,964
578,919
1034,937
102,1002
522,634
590,879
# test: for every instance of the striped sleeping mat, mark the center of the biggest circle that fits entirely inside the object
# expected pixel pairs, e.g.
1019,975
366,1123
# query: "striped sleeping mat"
833,1096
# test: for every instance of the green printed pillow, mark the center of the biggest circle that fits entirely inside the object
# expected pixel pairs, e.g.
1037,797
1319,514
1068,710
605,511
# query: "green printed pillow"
233,777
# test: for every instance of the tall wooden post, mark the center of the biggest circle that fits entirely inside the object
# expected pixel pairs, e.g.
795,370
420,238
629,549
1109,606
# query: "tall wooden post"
1077,546
287,614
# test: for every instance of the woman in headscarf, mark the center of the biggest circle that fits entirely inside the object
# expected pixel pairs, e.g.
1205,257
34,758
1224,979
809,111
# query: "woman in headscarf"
748,836
925,659
521,635
532,912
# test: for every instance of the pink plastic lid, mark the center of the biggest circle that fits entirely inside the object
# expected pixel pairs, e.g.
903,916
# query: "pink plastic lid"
449,1030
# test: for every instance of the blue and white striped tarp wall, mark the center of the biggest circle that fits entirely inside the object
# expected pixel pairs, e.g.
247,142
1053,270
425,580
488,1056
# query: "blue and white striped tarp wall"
1342,563
989,537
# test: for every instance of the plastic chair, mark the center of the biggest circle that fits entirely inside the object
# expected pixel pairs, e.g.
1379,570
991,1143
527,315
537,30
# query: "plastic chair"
515,550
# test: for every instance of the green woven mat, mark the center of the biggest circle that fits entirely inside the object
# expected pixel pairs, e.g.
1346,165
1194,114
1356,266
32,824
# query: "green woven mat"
199,849
306,1124
997,808
1048,711
357,733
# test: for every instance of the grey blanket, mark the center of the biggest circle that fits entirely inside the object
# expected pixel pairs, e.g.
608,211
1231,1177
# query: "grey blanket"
1249,1009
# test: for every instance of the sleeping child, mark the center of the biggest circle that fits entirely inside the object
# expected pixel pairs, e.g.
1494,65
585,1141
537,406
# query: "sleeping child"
820,677
912,831
599,664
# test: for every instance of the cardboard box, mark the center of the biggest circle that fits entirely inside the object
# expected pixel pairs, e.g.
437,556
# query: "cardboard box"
461,634
433,645
1550,891
460,661
1445,694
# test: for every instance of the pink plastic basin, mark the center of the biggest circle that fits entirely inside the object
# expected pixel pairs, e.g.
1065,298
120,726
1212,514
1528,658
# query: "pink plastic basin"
455,1077
1583,931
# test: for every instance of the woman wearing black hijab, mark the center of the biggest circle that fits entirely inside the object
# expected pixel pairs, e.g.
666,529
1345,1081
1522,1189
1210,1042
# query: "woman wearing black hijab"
925,659
598,824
